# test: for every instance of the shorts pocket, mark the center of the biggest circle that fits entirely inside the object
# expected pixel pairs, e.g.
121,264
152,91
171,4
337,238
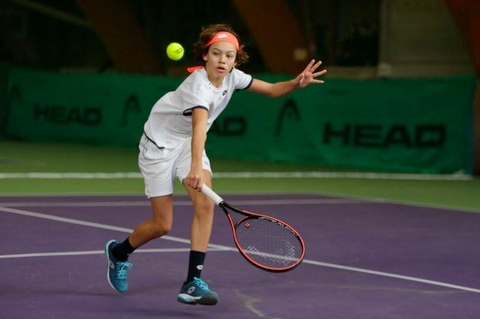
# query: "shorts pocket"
150,151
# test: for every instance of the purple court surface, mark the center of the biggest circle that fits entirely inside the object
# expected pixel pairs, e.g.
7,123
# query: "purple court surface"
364,260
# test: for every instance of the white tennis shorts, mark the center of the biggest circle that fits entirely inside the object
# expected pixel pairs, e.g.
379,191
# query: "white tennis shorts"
160,166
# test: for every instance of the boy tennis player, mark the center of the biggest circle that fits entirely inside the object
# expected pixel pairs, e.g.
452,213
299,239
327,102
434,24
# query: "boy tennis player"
173,146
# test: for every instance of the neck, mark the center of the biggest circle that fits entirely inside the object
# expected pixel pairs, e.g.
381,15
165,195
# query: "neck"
217,81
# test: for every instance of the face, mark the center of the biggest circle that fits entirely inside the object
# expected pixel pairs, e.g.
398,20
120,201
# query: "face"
220,59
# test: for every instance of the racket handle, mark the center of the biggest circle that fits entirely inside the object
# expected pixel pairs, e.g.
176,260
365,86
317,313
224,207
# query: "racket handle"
211,194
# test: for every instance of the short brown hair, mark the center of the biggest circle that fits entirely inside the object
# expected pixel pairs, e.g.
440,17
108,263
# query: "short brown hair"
200,47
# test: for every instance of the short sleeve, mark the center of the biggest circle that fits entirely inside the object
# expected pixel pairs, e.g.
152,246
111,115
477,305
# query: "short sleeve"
192,101
242,80
192,94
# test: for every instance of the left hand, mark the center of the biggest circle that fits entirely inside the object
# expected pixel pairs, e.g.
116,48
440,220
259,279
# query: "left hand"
308,76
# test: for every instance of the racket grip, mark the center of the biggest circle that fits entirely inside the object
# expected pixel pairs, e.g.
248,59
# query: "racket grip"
211,194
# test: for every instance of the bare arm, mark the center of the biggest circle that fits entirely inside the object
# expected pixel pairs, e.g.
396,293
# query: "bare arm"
196,177
279,89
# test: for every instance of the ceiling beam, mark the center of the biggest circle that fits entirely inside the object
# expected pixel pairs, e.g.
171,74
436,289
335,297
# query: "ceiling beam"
125,41
278,37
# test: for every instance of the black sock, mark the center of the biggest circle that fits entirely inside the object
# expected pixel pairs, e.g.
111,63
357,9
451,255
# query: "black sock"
195,264
122,250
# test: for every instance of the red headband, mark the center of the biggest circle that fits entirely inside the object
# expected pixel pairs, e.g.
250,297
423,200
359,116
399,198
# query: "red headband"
224,36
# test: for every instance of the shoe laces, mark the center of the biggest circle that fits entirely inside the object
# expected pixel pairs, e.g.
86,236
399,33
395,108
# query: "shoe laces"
200,283
122,267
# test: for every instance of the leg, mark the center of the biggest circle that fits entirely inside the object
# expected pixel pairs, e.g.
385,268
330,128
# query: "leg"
117,254
195,290
202,218
159,225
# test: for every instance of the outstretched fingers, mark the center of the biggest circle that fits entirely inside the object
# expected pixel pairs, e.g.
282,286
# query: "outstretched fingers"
315,66
312,66
309,66
317,74
308,75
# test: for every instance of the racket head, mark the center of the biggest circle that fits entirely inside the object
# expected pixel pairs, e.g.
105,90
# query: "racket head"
266,242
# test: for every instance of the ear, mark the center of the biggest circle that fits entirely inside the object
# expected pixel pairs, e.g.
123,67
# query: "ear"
205,57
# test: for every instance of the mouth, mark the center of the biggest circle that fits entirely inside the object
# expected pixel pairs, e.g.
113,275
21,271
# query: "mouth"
221,69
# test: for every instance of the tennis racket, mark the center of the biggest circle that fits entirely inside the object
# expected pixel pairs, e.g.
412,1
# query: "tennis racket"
266,242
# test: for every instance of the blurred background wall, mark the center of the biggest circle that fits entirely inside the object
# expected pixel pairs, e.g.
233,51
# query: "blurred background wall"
370,39
390,38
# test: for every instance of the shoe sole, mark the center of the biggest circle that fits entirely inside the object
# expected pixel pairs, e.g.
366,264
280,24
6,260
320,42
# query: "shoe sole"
108,266
189,300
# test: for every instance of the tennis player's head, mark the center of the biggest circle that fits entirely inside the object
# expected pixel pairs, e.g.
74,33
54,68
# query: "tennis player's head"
219,48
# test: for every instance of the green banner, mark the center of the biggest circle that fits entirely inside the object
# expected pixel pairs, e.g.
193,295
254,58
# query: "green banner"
404,125
407,125
4,105
87,108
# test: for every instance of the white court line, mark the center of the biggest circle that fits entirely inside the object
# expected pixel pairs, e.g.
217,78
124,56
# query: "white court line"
390,275
99,252
222,247
98,225
335,175
341,199
183,203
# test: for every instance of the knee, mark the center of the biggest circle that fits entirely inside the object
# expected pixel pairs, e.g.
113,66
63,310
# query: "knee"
204,206
161,229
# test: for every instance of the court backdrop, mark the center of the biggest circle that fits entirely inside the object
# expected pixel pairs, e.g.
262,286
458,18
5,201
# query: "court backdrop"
399,125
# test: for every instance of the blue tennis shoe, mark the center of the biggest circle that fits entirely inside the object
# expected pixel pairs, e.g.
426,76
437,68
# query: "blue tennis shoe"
117,270
197,292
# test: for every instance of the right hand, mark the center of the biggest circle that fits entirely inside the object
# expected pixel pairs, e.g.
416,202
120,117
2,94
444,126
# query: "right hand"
195,179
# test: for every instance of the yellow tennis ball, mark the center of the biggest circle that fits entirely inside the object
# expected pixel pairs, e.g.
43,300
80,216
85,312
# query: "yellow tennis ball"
175,51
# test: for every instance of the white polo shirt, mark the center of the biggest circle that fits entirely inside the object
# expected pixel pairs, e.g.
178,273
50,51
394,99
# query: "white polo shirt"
170,120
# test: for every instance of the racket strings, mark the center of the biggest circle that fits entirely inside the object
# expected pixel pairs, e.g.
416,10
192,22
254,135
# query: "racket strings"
268,243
